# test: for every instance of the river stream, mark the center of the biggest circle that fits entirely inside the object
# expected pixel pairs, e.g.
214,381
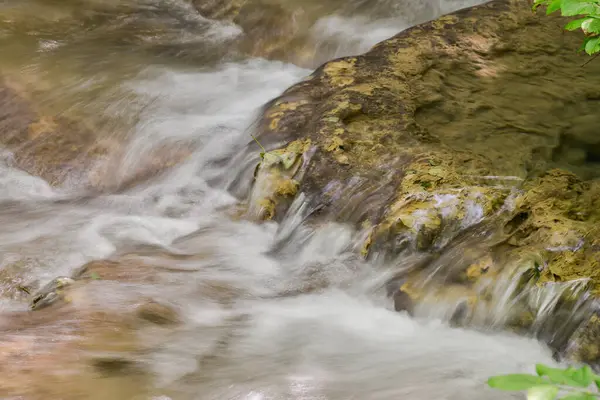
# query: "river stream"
308,321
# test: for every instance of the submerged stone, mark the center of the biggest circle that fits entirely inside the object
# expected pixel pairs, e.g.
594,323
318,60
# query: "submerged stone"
52,292
65,151
157,313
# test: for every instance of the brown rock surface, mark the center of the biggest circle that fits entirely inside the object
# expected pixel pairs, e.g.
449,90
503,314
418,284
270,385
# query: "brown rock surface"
438,124
65,151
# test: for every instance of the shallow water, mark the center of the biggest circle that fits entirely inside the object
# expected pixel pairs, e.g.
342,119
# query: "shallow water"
309,321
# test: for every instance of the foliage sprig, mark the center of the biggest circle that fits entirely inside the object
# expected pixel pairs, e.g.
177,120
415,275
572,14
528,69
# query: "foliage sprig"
570,383
589,21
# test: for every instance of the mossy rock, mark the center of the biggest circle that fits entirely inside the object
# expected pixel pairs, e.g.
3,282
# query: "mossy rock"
585,346
276,179
557,219
443,106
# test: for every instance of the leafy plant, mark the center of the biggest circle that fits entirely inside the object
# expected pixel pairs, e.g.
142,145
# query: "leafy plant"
272,157
571,383
589,21
262,154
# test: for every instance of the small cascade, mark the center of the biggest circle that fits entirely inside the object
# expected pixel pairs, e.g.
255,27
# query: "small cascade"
469,284
464,279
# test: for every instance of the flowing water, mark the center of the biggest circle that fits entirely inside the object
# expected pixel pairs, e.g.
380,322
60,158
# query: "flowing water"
310,320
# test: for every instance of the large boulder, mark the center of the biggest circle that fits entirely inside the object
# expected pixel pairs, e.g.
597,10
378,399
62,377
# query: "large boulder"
471,137
436,126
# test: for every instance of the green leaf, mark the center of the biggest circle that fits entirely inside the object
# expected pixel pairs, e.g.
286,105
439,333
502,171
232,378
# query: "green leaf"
592,45
545,392
591,25
568,8
580,377
575,24
288,159
270,159
556,375
94,275
560,376
596,379
515,381
583,376
553,5
579,396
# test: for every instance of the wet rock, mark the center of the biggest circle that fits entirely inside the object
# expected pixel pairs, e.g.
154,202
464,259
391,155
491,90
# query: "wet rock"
301,32
460,315
50,146
157,313
450,124
113,365
276,180
403,302
15,280
439,130
91,330
271,29
52,292
557,221
432,114
62,352
119,270
65,151
585,344
119,171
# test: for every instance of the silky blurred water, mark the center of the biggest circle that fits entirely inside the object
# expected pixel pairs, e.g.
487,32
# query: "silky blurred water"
158,72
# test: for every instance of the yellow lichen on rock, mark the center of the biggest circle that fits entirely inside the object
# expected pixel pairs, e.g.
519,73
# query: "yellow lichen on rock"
274,181
334,144
280,109
450,294
287,188
341,73
558,217
479,268
422,213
